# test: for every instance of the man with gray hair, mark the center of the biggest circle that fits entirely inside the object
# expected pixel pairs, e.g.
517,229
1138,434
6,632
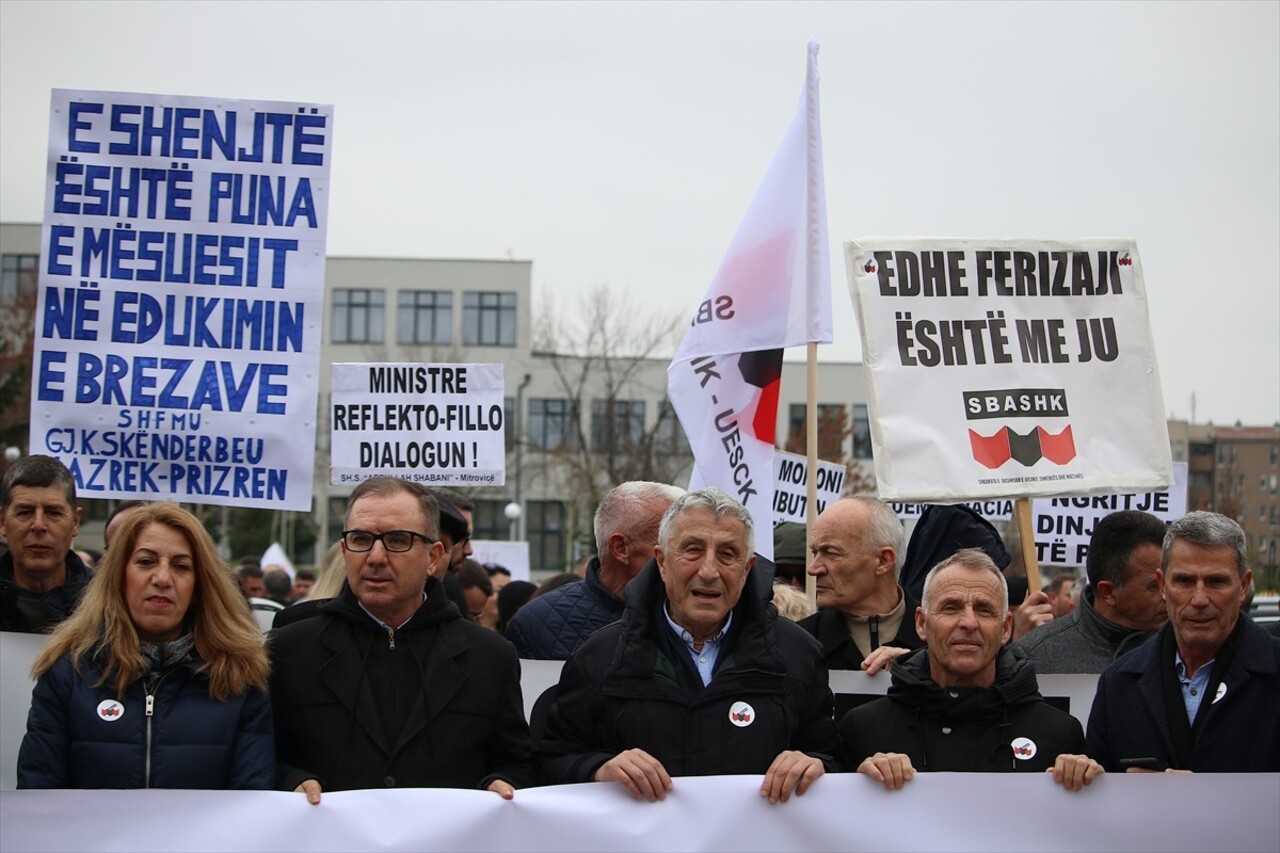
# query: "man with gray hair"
552,626
966,703
1203,694
700,677
41,578
865,618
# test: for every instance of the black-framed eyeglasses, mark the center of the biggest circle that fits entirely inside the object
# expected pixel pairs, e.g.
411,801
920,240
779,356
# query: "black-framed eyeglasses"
393,540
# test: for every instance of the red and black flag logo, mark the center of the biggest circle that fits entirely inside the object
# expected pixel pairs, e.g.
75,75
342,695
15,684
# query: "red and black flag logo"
1007,443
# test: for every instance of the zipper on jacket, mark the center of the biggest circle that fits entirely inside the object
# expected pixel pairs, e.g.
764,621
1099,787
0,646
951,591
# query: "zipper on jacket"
151,707
391,637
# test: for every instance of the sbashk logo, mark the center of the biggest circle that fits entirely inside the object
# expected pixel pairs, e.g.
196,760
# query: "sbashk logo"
110,710
1006,443
741,714
1023,748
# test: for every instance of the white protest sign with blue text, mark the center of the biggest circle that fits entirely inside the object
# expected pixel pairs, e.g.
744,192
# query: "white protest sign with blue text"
436,424
181,296
1004,368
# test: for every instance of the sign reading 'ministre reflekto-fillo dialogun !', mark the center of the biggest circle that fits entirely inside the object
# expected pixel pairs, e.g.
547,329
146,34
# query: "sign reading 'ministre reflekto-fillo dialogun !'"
436,424
1004,368
181,294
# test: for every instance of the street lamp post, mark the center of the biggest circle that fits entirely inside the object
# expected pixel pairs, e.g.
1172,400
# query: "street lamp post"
512,512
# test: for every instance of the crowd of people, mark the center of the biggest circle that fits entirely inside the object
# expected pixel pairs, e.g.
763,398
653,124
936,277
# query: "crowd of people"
397,664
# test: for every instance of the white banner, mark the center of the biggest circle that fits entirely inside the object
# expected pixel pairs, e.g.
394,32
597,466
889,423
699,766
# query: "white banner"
845,811
181,296
790,486
1008,368
437,424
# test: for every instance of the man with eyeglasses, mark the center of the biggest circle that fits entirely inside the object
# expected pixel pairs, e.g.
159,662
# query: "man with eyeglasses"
386,686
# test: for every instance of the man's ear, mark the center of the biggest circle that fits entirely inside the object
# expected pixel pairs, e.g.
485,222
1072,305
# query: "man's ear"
619,547
1105,591
1008,628
920,623
75,527
886,559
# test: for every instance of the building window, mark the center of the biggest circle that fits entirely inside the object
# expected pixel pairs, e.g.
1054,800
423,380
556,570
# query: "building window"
19,278
488,522
545,531
424,317
833,426
357,316
489,319
1262,513
617,426
1222,454
668,435
861,432
553,424
1262,482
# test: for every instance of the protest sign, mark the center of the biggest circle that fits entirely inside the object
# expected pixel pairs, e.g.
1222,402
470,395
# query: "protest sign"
1063,526
512,556
436,424
790,474
181,292
1008,368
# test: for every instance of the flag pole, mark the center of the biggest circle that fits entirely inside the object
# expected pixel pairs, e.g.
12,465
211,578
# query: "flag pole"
811,445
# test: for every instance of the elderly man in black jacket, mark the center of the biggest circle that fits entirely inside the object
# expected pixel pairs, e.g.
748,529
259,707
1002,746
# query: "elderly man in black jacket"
387,685
699,678
964,703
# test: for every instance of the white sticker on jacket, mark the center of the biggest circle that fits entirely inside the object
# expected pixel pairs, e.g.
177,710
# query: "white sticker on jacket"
1222,691
110,710
741,714
1024,748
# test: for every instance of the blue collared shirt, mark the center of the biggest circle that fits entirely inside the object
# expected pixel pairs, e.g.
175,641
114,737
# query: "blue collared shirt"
1193,688
704,660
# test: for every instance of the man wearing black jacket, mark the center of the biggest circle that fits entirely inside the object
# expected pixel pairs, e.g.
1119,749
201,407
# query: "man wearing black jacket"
41,578
700,677
865,618
964,703
386,685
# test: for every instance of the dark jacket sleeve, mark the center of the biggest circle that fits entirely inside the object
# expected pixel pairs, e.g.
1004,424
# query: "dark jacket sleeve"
253,760
284,661
517,636
1097,743
571,750
44,757
511,758
816,734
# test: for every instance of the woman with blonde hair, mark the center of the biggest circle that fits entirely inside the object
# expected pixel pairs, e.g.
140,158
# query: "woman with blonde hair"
159,678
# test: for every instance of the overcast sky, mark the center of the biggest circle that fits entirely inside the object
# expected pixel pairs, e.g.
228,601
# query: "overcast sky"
619,144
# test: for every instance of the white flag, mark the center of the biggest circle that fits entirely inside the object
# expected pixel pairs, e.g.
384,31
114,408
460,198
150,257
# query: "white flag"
773,290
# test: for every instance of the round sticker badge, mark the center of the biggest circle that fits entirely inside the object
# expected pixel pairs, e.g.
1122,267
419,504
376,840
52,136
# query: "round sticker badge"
1222,691
1023,748
110,710
741,714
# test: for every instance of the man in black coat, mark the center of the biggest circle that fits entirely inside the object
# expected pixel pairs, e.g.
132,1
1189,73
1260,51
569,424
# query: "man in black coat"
41,578
700,677
1203,694
865,619
386,685
964,703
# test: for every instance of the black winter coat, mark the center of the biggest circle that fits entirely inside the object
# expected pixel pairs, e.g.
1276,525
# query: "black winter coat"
839,651
81,736
552,626
1002,728
1238,732
449,693
632,685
